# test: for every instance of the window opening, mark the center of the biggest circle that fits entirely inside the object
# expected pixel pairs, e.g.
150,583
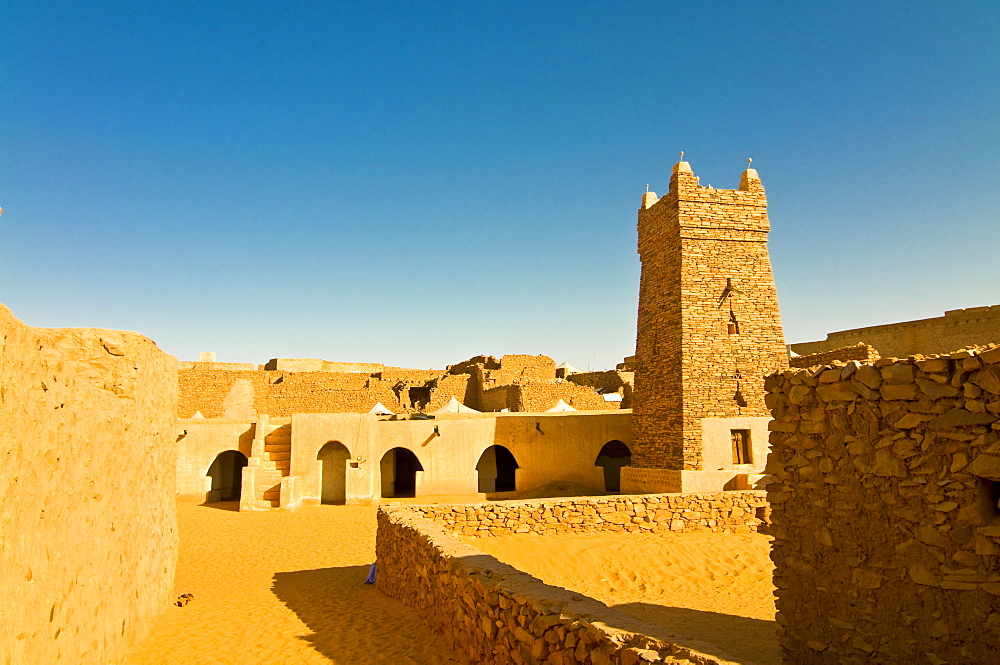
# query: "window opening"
742,452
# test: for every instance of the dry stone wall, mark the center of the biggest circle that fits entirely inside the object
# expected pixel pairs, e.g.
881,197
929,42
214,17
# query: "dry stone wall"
737,512
492,613
885,482
861,352
88,531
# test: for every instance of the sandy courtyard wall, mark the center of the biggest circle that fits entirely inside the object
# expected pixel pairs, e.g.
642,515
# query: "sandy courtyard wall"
492,613
884,497
88,531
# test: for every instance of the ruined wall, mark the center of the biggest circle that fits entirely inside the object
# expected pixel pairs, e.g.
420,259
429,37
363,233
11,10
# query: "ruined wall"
499,398
492,613
230,390
539,397
613,380
87,520
861,352
735,512
884,494
708,324
957,329
544,396
243,394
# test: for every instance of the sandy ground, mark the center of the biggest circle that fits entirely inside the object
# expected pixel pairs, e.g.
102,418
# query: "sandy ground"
711,587
283,587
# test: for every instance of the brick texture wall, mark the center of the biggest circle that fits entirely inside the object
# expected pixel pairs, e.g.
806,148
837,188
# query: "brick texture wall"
885,479
88,529
693,243
957,329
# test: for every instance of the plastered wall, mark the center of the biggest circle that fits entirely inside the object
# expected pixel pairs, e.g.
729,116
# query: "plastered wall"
884,495
550,447
708,329
88,534
957,329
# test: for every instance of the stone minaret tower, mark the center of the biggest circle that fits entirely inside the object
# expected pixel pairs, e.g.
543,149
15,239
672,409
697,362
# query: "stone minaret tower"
708,333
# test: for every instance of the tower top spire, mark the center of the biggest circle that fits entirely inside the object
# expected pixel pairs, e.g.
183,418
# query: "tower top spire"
682,166
749,179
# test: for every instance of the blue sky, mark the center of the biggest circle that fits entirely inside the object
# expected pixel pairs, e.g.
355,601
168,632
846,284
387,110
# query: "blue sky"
417,183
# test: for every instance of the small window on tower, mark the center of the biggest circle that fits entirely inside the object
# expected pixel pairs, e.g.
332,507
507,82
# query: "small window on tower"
734,325
742,453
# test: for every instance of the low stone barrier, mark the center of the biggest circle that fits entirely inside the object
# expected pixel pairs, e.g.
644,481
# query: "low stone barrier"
492,613
739,512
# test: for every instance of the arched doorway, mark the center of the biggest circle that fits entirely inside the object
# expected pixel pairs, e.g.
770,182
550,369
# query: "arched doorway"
333,457
613,456
399,468
226,472
497,469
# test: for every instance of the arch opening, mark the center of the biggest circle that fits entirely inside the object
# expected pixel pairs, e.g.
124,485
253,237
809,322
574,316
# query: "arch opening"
333,458
226,473
399,468
497,470
613,456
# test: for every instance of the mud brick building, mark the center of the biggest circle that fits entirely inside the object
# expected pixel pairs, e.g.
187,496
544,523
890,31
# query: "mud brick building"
708,333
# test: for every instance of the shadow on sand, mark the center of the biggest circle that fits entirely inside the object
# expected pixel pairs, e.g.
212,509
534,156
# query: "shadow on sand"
233,506
351,620
736,637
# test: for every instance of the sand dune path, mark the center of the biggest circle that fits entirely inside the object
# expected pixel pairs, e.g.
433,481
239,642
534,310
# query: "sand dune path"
283,587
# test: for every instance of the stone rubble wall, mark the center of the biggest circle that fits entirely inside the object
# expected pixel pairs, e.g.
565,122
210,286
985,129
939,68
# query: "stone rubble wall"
88,527
613,380
492,613
861,352
958,328
738,512
537,397
885,482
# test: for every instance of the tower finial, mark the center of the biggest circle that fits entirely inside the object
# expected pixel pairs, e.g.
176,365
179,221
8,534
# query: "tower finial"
682,155
647,189
749,161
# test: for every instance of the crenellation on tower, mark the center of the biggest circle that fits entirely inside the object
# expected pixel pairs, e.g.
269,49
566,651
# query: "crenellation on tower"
708,331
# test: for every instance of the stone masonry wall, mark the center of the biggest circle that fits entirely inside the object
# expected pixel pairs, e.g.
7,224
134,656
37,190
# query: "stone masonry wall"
884,491
88,531
860,352
957,329
708,324
736,512
613,380
544,396
492,613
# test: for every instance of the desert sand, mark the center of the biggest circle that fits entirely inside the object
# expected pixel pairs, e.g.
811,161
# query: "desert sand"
286,587
283,587
711,587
